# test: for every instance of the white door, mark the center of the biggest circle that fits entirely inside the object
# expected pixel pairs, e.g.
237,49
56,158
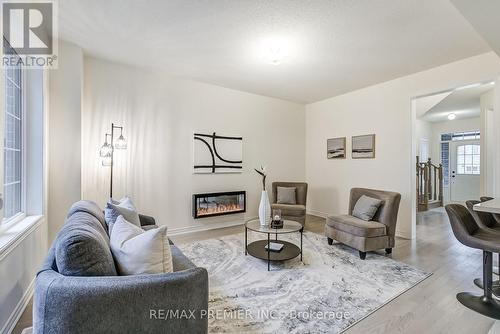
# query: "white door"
465,161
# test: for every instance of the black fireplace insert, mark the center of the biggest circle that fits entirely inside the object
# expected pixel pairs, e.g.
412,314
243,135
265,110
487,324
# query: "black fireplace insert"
218,204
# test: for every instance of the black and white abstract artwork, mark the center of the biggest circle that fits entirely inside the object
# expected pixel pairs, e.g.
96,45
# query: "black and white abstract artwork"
214,153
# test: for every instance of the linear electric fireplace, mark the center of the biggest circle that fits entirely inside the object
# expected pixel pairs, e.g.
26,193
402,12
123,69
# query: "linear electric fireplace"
217,204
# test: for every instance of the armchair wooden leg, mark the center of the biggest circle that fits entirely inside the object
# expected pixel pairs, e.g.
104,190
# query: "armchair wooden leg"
388,250
362,255
330,241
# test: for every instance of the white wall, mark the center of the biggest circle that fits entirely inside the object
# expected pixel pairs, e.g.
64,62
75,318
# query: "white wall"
487,102
160,115
64,156
495,137
383,109
423,131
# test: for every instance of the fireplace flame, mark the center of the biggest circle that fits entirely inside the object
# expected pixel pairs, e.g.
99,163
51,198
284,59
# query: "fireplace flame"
219,208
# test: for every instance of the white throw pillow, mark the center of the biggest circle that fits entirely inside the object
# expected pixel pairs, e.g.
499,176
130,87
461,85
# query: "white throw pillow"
140,252
123,207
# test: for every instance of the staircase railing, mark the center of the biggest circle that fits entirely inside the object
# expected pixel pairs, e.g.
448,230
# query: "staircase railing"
429,185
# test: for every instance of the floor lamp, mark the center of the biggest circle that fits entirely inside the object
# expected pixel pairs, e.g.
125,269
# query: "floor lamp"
107,151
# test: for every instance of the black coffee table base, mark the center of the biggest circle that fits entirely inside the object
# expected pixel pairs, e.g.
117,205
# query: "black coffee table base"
289,251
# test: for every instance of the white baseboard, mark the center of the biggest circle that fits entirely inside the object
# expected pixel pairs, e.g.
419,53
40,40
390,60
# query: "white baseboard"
318,213
495,329
18,311
201,228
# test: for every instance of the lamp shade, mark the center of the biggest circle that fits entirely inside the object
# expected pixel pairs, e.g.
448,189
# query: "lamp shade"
105,150
121,144
106,160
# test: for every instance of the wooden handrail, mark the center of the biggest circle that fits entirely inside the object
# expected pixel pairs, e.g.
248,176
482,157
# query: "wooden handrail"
429,178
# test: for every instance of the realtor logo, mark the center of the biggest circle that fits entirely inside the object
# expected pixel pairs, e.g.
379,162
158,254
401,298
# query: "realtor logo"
29,34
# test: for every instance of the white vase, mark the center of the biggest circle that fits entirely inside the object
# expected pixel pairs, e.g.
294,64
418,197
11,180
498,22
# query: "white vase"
264,209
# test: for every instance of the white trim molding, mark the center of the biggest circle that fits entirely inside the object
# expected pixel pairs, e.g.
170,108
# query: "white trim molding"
16,232
318,213
200,228
18,311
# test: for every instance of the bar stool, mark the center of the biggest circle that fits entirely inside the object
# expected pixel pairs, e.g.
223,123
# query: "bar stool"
496,216
487,222
467,231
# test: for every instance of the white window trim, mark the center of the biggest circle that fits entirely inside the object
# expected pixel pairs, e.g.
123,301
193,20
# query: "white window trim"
13,232
22,214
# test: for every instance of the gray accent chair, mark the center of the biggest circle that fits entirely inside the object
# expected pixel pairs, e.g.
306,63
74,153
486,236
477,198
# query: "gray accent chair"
115,304
366,236
289,211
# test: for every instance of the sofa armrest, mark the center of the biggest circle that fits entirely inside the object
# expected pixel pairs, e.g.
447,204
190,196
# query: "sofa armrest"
121,304
146,220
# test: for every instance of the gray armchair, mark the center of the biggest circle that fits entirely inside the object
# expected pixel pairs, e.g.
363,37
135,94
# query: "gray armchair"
364,235
117,304
295,212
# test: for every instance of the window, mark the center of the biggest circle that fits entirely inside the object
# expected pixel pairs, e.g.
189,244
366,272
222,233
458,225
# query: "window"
13,143
468,135
445,161
468,159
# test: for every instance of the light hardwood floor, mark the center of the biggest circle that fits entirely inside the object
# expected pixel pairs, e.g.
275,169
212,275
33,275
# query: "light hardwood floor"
429,307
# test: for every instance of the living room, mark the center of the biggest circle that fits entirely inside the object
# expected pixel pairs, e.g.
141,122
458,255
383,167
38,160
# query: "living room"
227,129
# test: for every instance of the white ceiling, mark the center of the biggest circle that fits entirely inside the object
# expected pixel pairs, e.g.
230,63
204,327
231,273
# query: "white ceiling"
483,15
335,46
464,103
424,104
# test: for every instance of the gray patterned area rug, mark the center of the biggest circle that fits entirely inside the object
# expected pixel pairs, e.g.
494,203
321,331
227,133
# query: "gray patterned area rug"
326,293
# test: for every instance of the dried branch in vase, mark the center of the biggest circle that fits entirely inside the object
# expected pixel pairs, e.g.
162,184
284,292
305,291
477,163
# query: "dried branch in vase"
262,172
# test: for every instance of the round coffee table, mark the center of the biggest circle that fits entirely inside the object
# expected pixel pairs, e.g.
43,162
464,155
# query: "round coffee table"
258,248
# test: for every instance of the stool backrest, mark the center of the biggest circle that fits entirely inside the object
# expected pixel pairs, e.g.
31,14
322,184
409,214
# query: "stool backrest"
462,222
483,219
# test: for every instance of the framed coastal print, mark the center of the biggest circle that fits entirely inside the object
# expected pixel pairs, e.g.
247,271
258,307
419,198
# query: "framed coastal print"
363,147
335,148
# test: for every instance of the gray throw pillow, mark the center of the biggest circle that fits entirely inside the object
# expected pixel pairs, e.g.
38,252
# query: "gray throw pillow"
123,207
286,195
366,207
82,248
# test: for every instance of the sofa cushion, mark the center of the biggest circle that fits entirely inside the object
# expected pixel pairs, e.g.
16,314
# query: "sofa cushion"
140,252
123,207
286,195
356,226
179,260
89,207
366,207
290,210
82,247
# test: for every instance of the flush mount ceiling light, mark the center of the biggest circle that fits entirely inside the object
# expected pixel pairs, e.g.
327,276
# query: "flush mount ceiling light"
275,55
274,50
452,116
